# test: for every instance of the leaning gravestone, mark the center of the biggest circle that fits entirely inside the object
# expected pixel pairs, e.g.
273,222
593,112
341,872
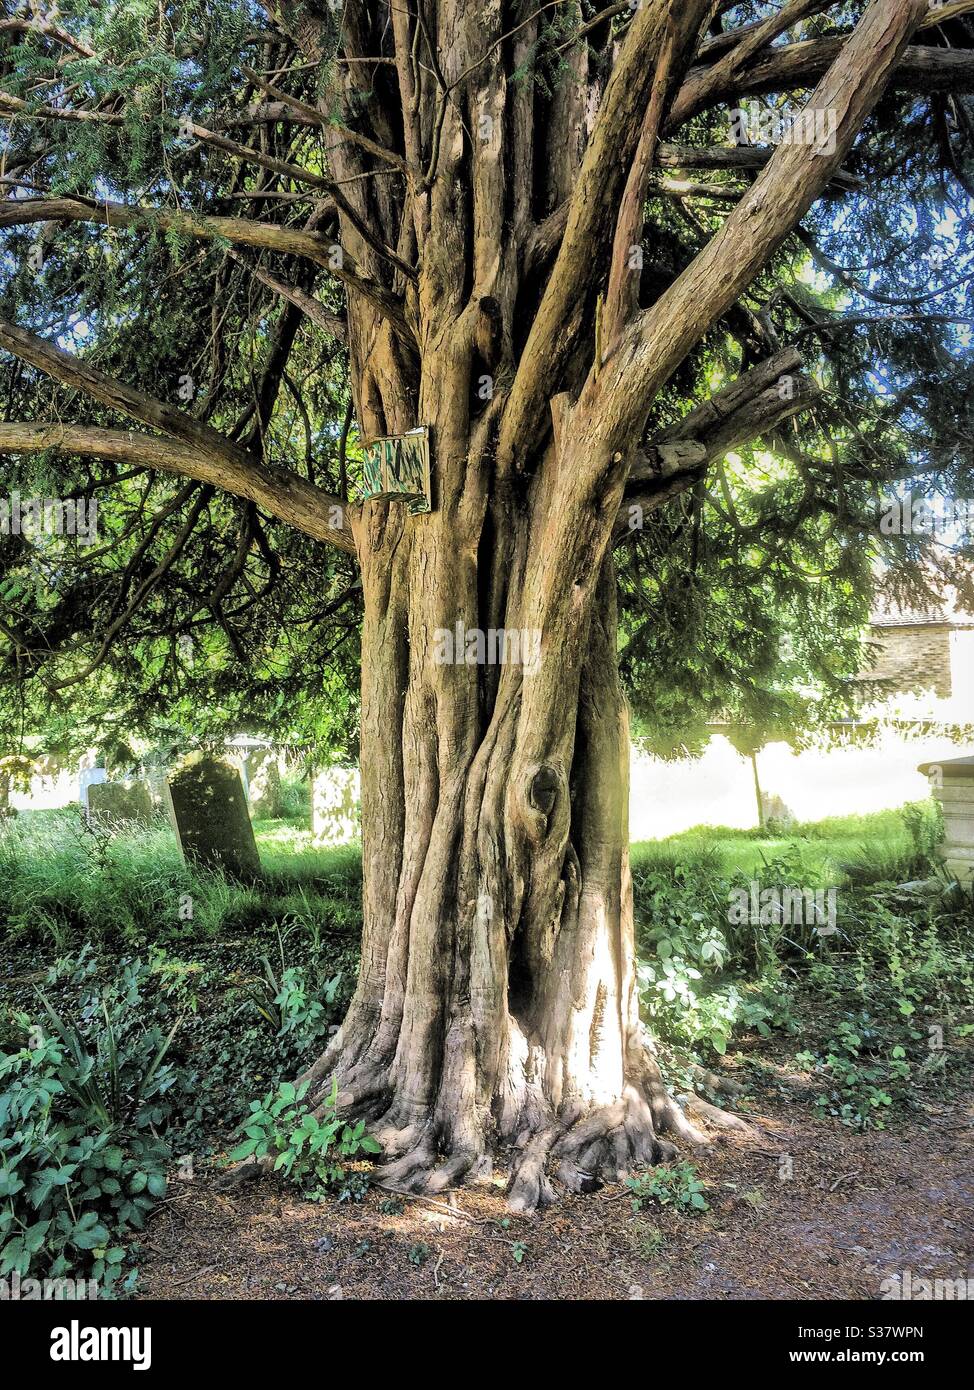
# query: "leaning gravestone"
952,783
264,785
335,794
120,802
209,813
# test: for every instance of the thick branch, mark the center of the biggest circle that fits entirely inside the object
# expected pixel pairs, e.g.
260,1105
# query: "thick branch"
699,90
220,460
661,336
278,491
734,159
736,416
796,65
587,223
75,372
622,295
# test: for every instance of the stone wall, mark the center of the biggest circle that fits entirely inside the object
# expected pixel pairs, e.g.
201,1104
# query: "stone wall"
911,658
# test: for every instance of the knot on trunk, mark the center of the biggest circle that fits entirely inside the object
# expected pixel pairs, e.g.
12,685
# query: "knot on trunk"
543,790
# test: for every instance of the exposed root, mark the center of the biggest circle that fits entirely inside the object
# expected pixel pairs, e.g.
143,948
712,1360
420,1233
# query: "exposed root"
712,1115
249,1171
529,1186
583,1148
413,1170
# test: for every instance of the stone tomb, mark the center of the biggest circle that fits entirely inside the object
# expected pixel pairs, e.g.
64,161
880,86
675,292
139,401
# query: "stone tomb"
264,784
952,783
335,793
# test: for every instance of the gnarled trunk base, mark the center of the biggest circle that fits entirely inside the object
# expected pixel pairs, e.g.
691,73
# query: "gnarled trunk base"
496,1012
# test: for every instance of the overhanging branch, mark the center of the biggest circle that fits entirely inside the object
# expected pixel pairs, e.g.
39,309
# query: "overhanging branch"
266,236
276,490
210,456
617,400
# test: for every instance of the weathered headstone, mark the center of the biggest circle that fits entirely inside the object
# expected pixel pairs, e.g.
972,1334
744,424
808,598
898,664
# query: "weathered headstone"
335,805
120,802
952,783
209,813
264,784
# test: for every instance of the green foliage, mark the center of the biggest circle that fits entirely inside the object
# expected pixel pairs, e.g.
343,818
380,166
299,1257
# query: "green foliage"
81,1163
290,1004
303,1145
671,1185
705,981
863,1075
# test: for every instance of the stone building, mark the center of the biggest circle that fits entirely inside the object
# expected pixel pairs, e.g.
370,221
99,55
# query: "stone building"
922,649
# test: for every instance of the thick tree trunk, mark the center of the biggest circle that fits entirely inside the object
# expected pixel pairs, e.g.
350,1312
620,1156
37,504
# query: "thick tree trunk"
496,1007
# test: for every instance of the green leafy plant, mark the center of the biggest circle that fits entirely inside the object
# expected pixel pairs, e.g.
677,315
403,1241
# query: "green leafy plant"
671,1185
865,1074
307,1148
74,1181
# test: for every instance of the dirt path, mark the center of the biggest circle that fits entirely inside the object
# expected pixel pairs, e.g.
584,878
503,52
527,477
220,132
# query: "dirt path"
809,1211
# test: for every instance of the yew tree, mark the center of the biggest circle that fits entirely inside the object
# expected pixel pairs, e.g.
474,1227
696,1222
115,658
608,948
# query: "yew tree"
524,227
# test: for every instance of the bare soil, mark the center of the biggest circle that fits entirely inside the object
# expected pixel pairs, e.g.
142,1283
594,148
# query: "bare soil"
805,1209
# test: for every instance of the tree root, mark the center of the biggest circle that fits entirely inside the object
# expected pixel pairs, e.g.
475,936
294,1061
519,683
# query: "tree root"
583,1149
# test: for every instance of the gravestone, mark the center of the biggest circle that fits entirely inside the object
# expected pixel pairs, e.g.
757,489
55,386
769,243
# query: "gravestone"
155,780
209,813
264,784
952,783
120,802
335,805
89,775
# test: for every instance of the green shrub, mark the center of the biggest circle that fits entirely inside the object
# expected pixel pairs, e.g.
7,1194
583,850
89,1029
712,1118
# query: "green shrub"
305,1147
80,1164
671,1185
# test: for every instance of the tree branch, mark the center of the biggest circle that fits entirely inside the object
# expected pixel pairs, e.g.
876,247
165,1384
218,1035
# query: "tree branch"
796,65
607,156
679,42
330,323
749,409
659,339
278,491
211,457
239,231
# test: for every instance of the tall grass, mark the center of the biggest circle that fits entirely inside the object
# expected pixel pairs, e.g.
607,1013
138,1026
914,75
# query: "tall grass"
62,883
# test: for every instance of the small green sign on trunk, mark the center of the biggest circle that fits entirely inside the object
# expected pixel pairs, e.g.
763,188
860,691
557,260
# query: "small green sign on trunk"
398,466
